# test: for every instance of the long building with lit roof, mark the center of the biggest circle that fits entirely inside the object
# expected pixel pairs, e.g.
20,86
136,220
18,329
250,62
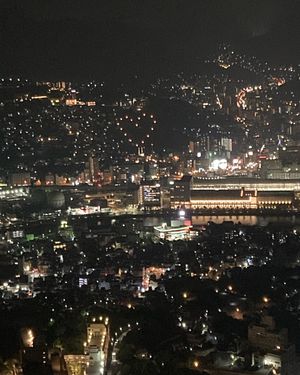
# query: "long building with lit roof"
233,193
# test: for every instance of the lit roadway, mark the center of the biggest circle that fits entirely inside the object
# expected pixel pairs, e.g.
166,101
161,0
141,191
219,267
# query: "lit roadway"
94,359
115,364
96,349
96,366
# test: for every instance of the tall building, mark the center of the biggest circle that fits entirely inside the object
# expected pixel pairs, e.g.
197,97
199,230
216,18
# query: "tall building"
149,194
226,145
93,169
271,346
180,192
20,179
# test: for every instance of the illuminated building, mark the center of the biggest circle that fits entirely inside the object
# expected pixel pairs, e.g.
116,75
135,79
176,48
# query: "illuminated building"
97,344
91,171
180,192
113,197
178,230
61,85
271,199
222,199
165,198
149,195
151,171
218,164
107,176
232,183
158,272
226,144
230,193
265,336
71,102
82,281
239,199
20,179
49,179
13,193
75,363
272,347
91,103
56,199
207,146
58,245
141,151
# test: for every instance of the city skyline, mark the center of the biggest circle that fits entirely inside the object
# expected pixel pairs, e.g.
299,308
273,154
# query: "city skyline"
149,187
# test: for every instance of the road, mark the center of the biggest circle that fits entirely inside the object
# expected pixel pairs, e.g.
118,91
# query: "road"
115,365
96,365
93,362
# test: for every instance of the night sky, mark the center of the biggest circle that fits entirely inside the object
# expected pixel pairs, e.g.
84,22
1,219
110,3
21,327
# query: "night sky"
85,39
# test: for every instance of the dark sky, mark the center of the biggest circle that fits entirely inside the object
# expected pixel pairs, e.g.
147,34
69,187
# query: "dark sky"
84,39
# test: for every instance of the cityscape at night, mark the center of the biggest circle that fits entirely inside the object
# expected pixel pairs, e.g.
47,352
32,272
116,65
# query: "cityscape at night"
150,187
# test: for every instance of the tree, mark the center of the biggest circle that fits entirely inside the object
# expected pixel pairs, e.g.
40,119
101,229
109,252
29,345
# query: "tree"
126,353
9,367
